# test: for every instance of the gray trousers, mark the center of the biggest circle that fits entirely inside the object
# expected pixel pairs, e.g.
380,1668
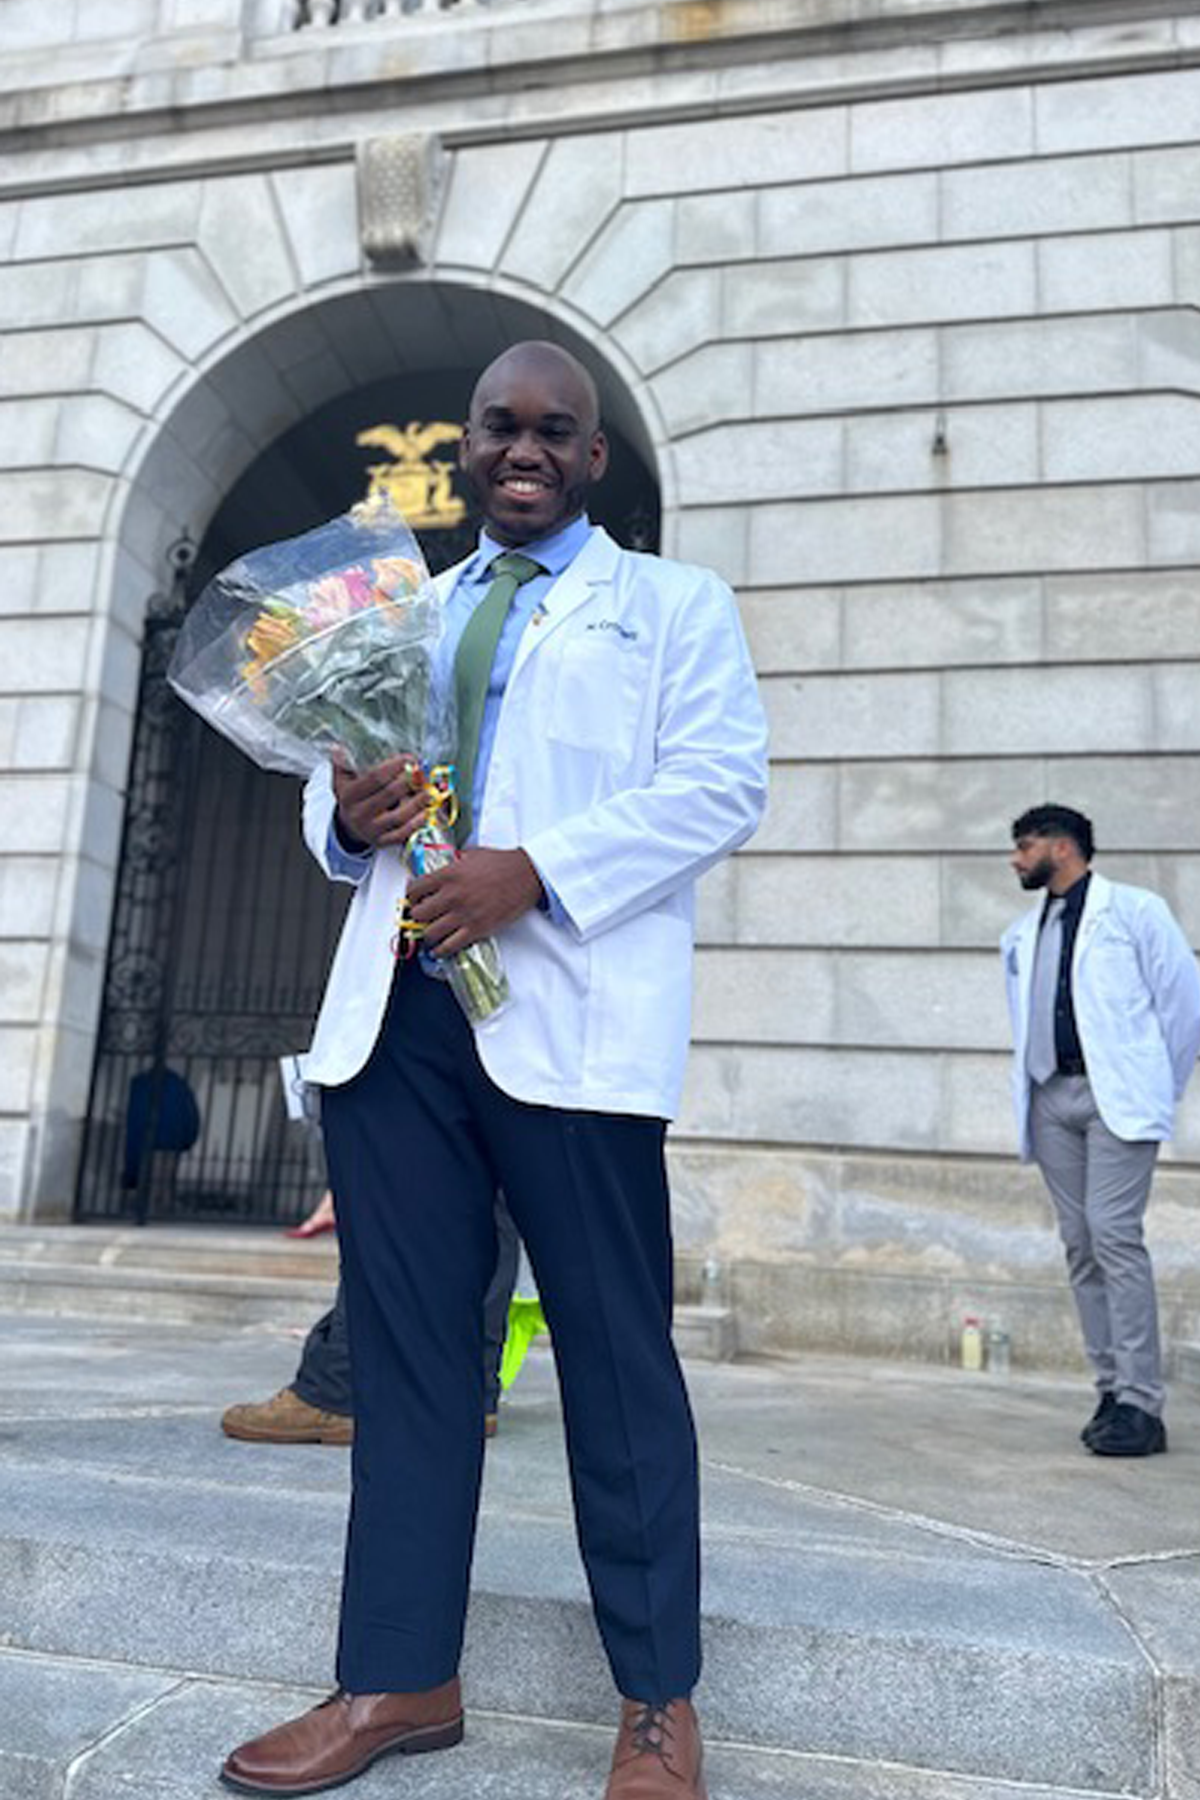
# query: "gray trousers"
1099,1185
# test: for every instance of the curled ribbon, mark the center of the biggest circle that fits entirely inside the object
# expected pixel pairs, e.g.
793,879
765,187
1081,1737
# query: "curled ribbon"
439,787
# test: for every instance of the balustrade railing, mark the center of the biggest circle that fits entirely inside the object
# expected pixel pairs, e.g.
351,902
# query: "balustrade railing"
321,14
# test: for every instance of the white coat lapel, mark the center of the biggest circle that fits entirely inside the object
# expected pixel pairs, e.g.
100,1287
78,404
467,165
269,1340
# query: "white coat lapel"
594,566
448,580
1096,903
1025,950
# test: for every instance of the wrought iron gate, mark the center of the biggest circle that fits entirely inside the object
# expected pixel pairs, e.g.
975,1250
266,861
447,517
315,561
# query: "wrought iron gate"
223,929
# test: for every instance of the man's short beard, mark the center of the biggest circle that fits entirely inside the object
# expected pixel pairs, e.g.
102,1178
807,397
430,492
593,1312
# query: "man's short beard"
1038,876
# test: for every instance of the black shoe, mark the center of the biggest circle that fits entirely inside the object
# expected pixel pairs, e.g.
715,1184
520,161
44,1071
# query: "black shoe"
1101,1416
1130,1431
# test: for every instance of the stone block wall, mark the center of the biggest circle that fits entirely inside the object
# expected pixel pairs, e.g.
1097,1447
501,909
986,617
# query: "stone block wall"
903,299
926,372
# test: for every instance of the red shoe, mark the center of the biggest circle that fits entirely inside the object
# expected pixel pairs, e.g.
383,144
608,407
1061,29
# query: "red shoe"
322,1218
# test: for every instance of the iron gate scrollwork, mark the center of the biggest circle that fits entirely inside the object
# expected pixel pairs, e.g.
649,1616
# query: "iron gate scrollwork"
222,933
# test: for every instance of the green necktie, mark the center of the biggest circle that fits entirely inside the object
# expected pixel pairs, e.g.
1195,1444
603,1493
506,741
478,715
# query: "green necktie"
473,667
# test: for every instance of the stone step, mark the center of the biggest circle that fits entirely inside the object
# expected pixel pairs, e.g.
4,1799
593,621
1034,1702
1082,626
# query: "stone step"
97,1730
135,1533
905,1567
240,1279
175,1297
252,1251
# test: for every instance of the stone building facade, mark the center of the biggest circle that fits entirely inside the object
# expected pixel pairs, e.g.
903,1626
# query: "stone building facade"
900,302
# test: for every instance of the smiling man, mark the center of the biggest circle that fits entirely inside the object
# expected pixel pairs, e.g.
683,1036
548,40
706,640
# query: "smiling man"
611,748
1104,997
532,469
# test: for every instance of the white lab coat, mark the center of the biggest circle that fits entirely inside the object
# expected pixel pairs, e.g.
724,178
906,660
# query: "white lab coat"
630,755
1136,992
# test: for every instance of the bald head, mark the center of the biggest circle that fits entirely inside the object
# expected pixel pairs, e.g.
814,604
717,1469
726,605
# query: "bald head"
532,444
539,357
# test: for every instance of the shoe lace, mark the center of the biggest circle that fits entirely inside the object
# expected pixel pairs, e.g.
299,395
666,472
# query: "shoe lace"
651,1732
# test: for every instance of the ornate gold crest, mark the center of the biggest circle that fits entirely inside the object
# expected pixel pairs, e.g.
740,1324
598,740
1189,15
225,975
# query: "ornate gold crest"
417,483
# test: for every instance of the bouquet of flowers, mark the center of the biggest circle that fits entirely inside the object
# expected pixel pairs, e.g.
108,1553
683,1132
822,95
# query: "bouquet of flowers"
321,645
476,975
327,645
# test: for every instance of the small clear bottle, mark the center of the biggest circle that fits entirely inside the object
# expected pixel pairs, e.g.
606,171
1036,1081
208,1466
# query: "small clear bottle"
999,1351
971,1343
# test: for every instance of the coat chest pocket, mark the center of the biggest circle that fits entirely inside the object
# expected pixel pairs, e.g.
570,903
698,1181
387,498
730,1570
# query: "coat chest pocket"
599,689
1111,957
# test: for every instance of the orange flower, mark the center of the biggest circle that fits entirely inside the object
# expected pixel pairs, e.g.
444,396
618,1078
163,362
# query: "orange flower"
392,572
268,637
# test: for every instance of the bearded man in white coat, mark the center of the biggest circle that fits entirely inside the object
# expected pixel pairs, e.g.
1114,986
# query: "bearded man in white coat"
1104,998
620,753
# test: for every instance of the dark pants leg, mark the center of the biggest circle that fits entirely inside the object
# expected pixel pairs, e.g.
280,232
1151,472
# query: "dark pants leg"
497,1301
323,1376
588,1195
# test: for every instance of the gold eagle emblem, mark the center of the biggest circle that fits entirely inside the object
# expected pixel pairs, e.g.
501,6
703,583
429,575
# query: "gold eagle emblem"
416,482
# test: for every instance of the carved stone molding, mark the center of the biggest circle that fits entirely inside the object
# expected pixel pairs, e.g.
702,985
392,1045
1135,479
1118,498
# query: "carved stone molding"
400,182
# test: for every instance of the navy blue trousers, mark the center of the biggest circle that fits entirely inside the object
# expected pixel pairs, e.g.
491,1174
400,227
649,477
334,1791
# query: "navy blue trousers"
323,1377
418,1144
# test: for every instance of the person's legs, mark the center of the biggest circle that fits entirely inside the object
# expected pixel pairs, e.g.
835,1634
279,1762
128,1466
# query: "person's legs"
1059,1115
322,1378
496,1304
416,1197
1118,1187
589,1196
316,1407
588,1192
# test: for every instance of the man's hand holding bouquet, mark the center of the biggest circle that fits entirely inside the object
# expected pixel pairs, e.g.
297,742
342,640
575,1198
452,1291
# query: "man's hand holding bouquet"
326,645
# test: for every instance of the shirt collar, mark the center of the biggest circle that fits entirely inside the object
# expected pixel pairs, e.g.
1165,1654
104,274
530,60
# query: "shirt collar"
1074,897
555,553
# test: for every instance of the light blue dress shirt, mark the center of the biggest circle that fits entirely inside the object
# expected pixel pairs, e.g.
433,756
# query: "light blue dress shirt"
555,553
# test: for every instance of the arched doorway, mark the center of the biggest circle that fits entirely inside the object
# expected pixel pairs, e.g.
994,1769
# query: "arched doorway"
223,927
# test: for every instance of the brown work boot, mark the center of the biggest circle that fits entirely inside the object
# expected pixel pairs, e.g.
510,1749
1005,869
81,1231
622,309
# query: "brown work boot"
658,1755
343,1736
286,1419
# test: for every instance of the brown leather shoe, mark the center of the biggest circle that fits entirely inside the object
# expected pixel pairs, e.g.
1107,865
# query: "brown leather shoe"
658,1755
286,1419
343,1736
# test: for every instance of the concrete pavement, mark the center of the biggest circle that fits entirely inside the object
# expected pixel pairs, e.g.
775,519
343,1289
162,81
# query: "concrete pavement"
918,1583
